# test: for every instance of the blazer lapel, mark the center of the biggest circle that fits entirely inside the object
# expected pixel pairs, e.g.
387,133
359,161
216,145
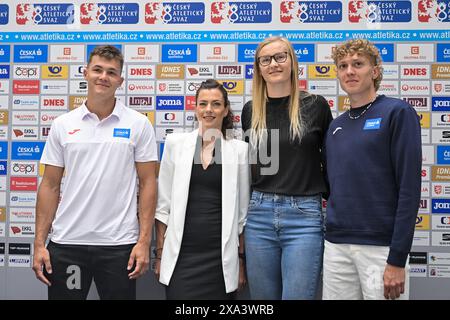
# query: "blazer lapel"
229,185
183,172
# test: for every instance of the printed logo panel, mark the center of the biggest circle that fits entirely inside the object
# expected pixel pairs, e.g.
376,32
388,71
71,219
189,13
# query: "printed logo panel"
25,117
439,222
386,51
22,215
67,53
141,72
174,12
415,71
418,103
321,71
440,205
170,71
179,53
379,11
217,53
170,118
440,71
24,199
23,183
443,52
45,13
310,11
169,103
54,102
415,52
141,53
141,87
55,72
233,86
4,72
224,12
109,13
26,87
246,52
30,53
27,150
5,50
169,87
199,71
22,168
433,11
3,149
304,52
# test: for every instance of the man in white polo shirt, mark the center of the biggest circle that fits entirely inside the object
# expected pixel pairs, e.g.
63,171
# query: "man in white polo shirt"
98,231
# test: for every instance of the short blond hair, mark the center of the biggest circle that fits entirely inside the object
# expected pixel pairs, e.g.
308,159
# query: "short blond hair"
361,47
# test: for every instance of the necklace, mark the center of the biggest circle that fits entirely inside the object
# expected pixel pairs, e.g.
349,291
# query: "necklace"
361,114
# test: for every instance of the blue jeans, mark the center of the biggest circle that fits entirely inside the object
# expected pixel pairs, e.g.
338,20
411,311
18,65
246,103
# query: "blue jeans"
284,246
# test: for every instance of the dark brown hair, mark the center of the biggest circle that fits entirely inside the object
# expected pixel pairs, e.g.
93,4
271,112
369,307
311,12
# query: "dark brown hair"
209,84
107,52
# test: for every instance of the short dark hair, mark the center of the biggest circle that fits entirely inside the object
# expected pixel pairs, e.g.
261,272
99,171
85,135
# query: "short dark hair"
209,84
107,52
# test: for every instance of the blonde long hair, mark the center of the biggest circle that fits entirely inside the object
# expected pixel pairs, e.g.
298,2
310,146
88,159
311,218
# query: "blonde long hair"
259,95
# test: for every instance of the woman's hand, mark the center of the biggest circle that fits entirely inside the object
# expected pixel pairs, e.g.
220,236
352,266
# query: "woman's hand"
156,267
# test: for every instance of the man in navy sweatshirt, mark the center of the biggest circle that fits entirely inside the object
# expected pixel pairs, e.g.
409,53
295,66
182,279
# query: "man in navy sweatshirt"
374,158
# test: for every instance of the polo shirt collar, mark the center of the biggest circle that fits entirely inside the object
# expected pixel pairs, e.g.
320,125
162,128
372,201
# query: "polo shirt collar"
117,111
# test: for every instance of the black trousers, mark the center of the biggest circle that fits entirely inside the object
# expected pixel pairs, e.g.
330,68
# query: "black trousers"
75,266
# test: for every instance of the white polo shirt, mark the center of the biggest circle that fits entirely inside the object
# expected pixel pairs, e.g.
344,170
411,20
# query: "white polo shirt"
99,204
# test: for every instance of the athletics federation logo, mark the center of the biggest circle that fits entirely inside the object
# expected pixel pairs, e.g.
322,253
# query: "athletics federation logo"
433,11
109,13
309,12
379,11
224,12
174,13
44,13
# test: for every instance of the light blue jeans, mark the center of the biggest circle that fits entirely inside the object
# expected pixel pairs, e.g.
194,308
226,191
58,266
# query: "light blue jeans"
284,246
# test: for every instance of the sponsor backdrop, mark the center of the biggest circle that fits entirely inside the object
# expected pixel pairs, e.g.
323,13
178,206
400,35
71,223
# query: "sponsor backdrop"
169,48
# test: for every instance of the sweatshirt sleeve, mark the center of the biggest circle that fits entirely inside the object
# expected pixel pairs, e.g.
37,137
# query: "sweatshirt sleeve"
246,120
406,155
327,117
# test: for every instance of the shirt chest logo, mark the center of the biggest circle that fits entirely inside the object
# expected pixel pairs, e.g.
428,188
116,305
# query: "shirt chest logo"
372,124
336,130
121,133
73,131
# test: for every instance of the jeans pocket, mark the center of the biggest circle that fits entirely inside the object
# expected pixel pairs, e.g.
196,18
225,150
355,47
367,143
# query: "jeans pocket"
255,200
253,203
309,206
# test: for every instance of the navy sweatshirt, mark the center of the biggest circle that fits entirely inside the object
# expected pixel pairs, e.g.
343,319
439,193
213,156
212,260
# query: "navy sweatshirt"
374,172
